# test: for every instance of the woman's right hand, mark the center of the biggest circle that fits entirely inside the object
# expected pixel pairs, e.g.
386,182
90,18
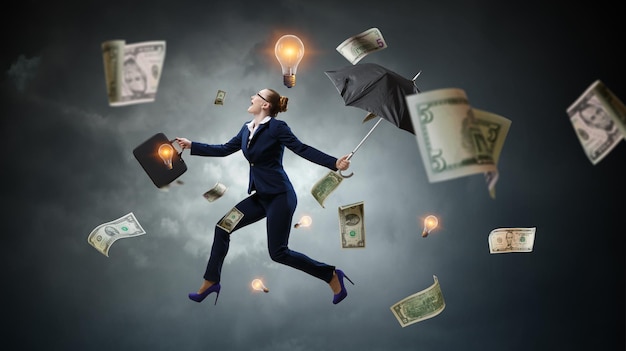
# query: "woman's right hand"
184,143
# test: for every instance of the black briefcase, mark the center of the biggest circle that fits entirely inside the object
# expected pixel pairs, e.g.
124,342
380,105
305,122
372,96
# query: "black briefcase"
160,159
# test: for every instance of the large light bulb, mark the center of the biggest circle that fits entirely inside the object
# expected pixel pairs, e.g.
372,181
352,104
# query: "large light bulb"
305,221
257,284
289,51
430,223
166,151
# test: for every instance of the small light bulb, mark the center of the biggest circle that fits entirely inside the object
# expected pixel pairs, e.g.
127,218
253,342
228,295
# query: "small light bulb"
257,284
289,51
430,223
305,221
166,151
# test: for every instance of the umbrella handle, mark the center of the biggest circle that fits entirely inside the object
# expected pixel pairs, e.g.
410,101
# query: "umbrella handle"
346,176
351,173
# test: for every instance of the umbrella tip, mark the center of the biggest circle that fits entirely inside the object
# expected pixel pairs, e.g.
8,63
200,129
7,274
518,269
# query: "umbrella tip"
418,73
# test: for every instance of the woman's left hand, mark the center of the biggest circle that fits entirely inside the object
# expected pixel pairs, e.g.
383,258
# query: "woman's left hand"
343,163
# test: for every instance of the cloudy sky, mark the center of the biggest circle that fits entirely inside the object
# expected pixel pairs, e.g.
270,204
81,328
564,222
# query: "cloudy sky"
69,167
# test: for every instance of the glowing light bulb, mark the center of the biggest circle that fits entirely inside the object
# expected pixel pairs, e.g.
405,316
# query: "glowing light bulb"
305,221
430,223
257,284
166,151
289,51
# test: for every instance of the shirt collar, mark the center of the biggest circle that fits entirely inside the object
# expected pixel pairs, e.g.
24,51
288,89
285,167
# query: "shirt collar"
252,127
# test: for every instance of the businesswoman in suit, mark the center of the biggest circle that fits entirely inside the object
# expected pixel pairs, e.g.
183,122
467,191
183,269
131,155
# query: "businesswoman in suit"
262,142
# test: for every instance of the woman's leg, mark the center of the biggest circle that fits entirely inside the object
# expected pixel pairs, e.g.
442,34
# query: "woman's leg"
252,211
279,211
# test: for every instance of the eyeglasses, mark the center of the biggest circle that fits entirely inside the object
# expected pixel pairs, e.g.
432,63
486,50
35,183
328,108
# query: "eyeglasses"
264,99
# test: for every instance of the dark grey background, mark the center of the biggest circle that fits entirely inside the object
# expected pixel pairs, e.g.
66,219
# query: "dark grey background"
68,167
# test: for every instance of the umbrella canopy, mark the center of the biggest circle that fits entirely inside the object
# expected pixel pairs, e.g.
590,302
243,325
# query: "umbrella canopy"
377,90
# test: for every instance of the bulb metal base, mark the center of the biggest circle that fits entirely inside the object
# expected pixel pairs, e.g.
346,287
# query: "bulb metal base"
289,80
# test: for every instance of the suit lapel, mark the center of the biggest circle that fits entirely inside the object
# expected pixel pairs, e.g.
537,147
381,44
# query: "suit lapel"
257,133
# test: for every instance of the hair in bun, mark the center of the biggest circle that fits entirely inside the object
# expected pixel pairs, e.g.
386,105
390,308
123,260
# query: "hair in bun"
278,102
282,104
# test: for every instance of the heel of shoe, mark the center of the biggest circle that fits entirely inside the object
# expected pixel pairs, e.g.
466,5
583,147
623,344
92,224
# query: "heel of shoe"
348,279
216,296
337,298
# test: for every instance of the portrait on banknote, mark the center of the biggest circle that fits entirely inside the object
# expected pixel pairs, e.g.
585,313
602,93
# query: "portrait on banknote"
595,122
135,81
132,71
594,115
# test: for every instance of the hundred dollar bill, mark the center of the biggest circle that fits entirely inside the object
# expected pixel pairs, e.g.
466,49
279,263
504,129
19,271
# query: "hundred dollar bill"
323,187
352,224
504,240
132,71
420,306
599,120
361,45
215,192
450,137
219,98
104,235
495,129
230,220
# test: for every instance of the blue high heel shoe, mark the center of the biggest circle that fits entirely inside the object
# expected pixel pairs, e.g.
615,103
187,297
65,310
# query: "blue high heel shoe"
200,297
343,293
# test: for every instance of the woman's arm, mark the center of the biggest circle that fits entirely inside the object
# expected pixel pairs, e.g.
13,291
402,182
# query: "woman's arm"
287,138
216,150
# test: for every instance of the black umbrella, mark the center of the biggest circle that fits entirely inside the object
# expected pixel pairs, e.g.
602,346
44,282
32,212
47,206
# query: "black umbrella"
377,90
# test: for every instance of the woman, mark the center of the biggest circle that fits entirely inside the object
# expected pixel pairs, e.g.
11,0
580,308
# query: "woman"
262,141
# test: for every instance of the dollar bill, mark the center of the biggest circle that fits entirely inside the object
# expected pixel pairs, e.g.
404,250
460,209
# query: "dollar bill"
495,128
215,192
104,235
323,187
219,98
132,71
352,225
113,58
599,120
361,45
420,306
504,240
451,134
230,220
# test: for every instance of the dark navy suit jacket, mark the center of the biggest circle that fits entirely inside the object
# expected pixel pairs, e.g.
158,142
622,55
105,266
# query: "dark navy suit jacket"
265,154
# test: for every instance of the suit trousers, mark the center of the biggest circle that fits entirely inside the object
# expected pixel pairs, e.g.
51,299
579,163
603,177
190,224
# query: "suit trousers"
278,209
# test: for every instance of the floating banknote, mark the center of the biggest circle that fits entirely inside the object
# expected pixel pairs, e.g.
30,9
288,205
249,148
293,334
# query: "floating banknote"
104,235
230,220
495,129
215,192
132,71
420,306
504,240
325,186
219,99
454,139
361,45
599,119
352,225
